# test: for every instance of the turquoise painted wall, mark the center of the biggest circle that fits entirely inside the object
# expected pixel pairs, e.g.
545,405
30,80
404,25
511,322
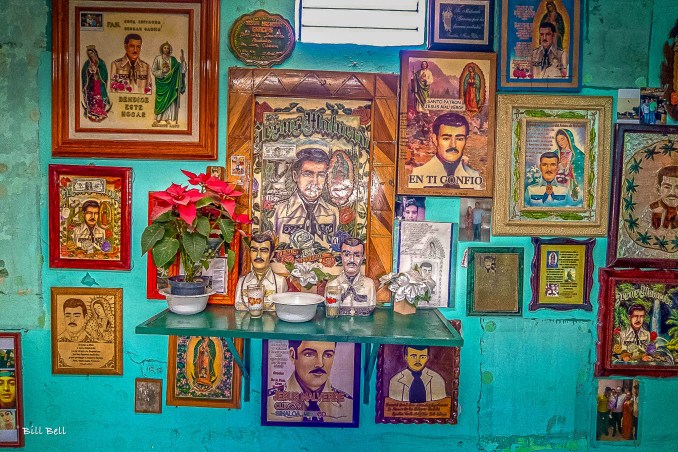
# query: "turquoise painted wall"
526,383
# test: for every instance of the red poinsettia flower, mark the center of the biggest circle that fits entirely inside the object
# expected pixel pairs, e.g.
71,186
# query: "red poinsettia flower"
653,336
181,198
242,218
221,188
196,179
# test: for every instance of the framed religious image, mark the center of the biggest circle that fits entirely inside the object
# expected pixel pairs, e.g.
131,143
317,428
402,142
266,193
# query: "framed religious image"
493,271
86,331
446,143
540,45
461,25
89,217
148,395
562,274
135,79
643,217
11,391
322,148
310,383
553,165
618,407
202,372
427,247
637,323
417,384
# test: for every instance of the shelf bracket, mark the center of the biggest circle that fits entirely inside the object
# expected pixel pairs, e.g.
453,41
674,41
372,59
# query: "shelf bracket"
369,363
242,362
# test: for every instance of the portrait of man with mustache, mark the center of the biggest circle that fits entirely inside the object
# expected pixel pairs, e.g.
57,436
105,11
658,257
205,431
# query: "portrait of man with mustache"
358,295
547,190
75,315
130,73
665,209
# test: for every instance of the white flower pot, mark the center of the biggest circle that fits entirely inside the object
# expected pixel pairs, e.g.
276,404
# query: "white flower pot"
186,304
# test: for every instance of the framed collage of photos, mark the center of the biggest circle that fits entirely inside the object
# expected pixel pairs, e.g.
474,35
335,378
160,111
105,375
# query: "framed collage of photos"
89,217
643,220
637,334
135,79
11,391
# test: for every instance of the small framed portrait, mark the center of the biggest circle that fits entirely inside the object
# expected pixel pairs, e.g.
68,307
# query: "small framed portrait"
618,407
310,383
461,25
89,217
540,45
493,271
562,274
328,176
410,208
643,219
552,165
202,372
418,384
427,246
475,218
86,331
148,395
11,391
637,332
652,110
446,123
135,80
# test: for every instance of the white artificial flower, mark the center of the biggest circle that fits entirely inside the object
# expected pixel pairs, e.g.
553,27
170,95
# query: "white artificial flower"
305,274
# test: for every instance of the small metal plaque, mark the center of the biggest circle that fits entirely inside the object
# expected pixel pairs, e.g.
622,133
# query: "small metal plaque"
261,39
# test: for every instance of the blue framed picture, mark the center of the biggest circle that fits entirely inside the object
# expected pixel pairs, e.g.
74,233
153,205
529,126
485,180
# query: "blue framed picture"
461,25
540,45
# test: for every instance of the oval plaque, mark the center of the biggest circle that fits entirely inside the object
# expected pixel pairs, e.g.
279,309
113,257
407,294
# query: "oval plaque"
261,39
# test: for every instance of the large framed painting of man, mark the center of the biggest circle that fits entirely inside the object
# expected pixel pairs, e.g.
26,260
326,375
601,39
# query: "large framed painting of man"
446,123
322,152
644,209
135,79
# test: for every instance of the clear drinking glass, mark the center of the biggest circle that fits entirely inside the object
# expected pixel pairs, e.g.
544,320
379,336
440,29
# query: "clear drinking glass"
255,300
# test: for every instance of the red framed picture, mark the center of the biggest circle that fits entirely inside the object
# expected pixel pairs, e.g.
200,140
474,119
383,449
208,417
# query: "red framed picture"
156,278
89,217
11,390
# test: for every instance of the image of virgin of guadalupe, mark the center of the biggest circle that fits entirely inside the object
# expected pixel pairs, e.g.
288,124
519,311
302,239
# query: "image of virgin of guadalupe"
570,164
94,75
204,363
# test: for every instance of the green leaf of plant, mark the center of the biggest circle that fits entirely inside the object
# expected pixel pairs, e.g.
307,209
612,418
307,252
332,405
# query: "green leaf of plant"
151,235
163,218
230,256
165,251
194,245
202,226
227,227
202,202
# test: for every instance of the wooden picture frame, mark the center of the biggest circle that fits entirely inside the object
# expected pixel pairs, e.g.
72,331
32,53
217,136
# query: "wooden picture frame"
156,278
570,196
86,331
217,387
461,25
642,231
360,200
148,395
523,63
637,332
439,367
164,108
430,101
492,271
562,274
284,402
89,217
11,403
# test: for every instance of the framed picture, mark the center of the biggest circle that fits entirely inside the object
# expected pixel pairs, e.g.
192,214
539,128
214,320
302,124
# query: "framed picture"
410,208
401,399
11,391
135,80
562,274
86,331
492,271
637,321
427,246
310,383
156,278
461,25
89,217
618,407
446,143
475,215
643,220
322,139
668,76
540,45
202,372
148,395
552,165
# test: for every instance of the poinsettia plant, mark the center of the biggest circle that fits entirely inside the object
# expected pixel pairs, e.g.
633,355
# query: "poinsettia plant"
183,219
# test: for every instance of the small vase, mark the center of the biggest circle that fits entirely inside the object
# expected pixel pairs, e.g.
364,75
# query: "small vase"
180,287
403,307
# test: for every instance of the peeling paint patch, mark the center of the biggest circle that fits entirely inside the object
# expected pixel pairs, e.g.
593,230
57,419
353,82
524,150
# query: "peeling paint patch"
490,326
34,115
24,292
487,377
3,168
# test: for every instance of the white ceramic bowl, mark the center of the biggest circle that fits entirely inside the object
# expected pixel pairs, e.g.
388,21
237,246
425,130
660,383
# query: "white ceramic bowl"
296,306
186,304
